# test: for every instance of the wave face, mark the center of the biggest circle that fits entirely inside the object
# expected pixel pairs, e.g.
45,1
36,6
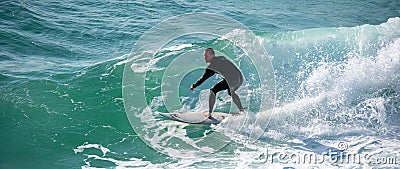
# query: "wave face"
62,64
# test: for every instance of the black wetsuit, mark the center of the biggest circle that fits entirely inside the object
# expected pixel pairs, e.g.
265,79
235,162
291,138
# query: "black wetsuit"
233,78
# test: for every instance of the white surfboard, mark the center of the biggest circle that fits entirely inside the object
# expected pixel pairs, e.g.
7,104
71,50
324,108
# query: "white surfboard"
198,117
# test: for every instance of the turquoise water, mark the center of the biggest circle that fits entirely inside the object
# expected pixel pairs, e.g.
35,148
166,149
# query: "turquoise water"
336,66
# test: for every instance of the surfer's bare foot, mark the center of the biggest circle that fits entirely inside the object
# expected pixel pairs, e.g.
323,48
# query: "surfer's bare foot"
207,114
241,112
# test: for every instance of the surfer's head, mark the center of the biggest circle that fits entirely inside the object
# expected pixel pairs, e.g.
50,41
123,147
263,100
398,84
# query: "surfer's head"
208,54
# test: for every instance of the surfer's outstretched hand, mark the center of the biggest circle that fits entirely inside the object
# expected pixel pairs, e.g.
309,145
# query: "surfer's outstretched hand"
207,114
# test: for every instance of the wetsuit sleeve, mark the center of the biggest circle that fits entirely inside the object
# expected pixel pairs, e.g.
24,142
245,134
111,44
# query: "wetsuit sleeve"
207,74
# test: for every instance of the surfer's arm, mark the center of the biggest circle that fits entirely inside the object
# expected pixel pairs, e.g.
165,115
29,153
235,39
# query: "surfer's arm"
207,74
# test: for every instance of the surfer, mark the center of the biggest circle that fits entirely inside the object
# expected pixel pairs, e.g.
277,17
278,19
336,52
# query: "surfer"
232,80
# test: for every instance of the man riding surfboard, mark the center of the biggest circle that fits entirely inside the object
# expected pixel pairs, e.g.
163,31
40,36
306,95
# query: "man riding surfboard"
232,80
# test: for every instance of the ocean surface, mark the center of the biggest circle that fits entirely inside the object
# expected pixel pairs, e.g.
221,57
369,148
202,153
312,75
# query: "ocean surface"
334,92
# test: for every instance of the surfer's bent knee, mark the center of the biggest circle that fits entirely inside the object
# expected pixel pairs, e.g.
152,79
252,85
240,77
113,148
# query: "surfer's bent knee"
212,91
